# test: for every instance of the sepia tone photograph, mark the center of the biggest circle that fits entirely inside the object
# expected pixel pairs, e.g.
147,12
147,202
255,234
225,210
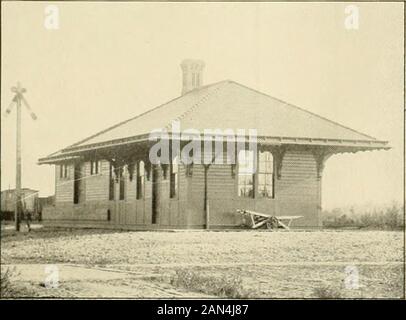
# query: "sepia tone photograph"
202,150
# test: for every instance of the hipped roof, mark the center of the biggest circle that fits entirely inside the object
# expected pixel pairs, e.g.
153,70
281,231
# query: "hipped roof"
228,105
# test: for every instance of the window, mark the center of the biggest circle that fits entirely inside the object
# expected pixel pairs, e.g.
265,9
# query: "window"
94,167
246,173
174,167
140,179
265,175
111,183
63,173
198,79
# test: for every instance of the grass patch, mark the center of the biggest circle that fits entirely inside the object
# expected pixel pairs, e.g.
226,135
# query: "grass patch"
6,287
229,286
385,218
9,289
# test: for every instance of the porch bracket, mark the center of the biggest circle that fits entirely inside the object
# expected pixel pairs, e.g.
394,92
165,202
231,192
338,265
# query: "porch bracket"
321,155
278,155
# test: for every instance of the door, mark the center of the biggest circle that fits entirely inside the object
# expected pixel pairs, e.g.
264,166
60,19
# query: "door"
155,194
77,184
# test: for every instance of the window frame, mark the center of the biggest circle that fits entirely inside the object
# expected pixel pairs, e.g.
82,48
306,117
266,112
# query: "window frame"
246,176
263,172
63,171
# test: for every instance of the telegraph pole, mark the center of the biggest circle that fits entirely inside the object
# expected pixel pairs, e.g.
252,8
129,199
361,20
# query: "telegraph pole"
17,211
17,99
18,166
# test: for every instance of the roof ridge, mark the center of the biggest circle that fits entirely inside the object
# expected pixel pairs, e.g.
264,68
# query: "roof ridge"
139,115
305,110
201,100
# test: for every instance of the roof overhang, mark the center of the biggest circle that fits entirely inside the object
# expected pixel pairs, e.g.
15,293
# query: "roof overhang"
362,144
75,152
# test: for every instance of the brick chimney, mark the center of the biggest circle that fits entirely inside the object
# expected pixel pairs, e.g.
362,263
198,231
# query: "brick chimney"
192,73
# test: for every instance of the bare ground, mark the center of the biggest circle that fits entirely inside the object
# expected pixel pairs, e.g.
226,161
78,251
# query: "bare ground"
94,263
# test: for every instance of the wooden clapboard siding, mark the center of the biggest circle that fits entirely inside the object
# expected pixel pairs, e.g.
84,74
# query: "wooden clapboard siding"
296,193
221,194
97,185
298,190
64,186
91,210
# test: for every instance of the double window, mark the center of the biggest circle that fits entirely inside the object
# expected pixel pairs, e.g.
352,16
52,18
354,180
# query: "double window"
63,171
247,174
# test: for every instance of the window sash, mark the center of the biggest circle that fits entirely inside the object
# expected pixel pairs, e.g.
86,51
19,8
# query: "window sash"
261,182
246,176
266,175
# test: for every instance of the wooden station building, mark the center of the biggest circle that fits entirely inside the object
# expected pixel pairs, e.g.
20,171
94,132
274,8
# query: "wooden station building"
108,181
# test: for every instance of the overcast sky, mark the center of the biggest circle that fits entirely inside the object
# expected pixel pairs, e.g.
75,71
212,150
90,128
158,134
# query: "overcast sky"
110,61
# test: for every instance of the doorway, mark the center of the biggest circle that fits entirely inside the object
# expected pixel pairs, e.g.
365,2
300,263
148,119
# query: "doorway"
155,193
77,184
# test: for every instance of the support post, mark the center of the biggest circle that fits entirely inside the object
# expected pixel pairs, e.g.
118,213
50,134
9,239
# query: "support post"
206,200
321,155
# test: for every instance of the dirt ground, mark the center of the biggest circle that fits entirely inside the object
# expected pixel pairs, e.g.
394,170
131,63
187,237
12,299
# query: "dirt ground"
96,263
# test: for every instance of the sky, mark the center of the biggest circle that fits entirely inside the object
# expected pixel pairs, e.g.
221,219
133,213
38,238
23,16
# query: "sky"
111,61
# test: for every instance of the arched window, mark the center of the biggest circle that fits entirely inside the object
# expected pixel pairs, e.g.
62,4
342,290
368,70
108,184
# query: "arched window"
173,177
266,175
140,179
246,173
